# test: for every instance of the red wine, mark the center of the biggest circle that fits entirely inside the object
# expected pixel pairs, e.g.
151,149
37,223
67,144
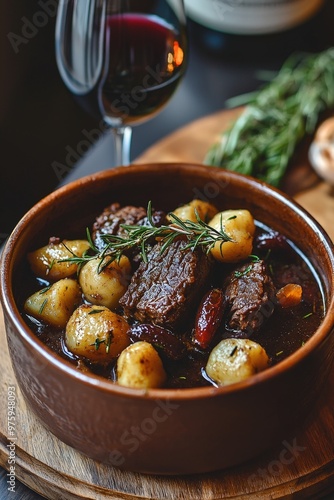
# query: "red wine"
144,61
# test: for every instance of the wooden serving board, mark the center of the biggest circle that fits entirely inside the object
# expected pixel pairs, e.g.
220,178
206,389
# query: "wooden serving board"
301,466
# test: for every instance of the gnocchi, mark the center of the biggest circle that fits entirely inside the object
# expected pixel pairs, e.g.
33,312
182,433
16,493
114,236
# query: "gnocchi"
205,211
234,360
107,286
46,262
96,333
140,366
240,227
55,304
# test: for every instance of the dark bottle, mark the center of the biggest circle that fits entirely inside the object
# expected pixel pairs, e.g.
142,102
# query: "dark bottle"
247,29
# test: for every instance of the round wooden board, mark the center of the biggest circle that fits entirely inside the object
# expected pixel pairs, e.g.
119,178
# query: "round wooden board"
301,466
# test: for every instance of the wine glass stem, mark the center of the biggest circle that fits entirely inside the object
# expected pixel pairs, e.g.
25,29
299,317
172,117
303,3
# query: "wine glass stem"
122,137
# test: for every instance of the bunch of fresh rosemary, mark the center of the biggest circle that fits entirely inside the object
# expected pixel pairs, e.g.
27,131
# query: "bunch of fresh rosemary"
263,139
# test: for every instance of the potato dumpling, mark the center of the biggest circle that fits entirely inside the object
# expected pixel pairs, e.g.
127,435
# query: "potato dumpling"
44,262
140,366
96,333
105,287
233,360
55,304
239,226
187,212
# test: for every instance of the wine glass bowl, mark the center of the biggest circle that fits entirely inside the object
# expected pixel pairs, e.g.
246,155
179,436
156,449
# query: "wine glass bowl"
128,57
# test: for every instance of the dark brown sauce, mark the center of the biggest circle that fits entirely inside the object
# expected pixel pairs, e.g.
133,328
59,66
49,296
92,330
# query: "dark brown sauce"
280,335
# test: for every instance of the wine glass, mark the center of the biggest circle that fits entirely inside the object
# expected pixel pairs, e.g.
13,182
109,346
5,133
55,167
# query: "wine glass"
125,56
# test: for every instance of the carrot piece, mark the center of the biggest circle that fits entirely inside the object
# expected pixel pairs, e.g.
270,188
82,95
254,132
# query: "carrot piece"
289,295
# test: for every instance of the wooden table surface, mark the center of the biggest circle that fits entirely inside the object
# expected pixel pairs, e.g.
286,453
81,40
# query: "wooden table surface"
56,471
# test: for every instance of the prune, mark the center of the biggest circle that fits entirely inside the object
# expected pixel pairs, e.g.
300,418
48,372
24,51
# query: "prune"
161,338
208,318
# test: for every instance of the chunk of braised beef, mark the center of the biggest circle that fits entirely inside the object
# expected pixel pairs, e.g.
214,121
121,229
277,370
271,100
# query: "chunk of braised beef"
114,216
167,289
250,298
110,220
158,218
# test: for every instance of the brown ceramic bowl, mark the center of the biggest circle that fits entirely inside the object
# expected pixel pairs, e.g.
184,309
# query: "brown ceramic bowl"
162,430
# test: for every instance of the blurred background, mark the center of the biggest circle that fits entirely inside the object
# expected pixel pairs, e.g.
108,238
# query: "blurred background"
47,136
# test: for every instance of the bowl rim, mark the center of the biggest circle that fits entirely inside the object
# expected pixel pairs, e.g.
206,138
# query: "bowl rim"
178,394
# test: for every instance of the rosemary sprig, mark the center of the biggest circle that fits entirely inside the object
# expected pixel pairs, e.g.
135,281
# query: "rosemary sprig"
263,139
197,234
